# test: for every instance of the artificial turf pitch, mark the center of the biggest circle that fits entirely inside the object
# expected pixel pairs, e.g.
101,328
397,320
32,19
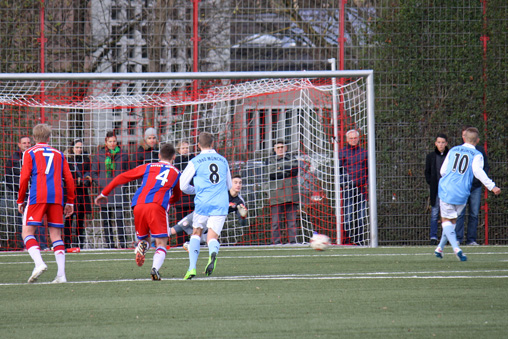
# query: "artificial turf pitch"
265,292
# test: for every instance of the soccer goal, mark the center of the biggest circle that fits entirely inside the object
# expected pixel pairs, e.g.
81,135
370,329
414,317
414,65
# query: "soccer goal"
246,112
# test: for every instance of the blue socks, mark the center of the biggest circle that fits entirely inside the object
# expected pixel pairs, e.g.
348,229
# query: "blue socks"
213,246
449,232
194,247
443,241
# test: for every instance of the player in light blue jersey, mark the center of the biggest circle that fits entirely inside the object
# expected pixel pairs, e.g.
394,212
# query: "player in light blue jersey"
461,164
212,181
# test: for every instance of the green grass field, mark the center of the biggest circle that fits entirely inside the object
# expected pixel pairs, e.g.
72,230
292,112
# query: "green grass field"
283,292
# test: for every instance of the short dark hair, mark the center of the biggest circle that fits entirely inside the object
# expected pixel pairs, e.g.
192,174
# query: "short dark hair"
443,136
464,127
167,152
110,134
279,141
236,176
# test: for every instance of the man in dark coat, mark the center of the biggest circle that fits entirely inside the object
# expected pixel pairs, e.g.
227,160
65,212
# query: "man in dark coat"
8,203
433,164
109,162
282,170
353,160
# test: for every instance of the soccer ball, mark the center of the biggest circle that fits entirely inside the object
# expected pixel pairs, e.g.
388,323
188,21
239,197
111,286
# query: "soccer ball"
319,242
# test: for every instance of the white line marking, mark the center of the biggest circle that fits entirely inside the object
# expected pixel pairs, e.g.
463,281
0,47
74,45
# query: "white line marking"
276,277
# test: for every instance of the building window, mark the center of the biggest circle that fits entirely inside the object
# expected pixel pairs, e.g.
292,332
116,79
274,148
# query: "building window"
115,13
131,127
130,11
117,112
131,89
131,50
116,89
117,127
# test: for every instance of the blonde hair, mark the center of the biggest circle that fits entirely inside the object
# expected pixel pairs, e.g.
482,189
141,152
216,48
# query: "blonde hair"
471,135
41,133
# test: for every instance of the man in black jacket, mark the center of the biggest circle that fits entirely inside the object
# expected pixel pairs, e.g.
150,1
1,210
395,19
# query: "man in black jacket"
432,166
9,206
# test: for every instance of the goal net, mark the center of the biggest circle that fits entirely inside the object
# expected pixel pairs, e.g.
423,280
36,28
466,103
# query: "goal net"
317,183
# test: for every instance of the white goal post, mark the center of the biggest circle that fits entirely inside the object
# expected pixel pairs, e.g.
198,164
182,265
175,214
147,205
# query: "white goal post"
310,111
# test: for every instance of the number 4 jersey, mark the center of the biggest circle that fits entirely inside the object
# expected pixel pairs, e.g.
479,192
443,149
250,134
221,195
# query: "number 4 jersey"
460,165
47,170
159,184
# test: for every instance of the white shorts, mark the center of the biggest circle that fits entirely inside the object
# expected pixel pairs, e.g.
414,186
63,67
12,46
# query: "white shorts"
449,211
214,222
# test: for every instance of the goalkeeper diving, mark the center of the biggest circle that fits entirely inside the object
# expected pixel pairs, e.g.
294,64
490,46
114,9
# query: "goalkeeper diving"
236,205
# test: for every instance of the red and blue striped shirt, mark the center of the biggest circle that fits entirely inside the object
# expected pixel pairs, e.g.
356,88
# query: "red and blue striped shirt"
159,184
46,169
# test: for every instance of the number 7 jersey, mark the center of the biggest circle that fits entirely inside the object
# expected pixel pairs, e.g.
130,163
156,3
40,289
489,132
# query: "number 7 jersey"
46,169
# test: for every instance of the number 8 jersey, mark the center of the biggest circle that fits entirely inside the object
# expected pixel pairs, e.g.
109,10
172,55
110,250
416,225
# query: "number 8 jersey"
47,170
460,165
212,180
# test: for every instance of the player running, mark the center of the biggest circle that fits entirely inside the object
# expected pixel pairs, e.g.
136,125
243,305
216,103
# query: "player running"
158,191
46,169
212,180
461,164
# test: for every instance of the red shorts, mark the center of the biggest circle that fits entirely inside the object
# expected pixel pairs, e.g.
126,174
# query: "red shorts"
150,219
34,214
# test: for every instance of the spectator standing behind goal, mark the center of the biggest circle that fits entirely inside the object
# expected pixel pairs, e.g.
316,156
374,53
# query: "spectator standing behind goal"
46,169
433,164
9,206
212,180
109,162
460,166
159,189
186,205
148,151
474,201
282,181
354,160
79,163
